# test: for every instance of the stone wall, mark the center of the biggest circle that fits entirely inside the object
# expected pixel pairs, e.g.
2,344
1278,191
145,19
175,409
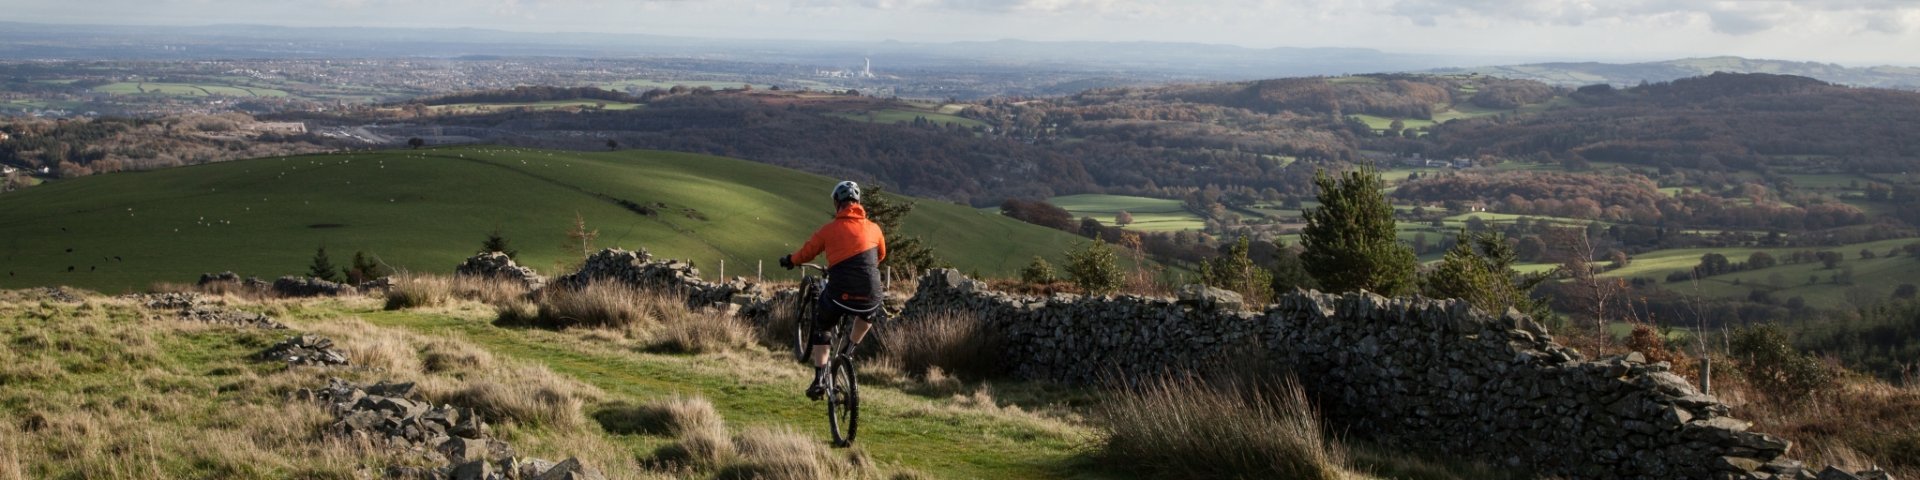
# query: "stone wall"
1436,376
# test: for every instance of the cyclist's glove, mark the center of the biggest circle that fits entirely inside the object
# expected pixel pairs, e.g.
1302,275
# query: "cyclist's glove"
786,262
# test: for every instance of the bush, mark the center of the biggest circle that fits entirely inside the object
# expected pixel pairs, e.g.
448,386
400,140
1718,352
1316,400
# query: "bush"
953,342
1184,428
1771,364
1095,268
1039,272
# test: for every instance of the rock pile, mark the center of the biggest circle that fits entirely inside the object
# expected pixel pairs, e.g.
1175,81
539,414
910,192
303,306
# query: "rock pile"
383,415
1432,375
637,269
500,266
196,308
304,350
233,280
291,286
61,295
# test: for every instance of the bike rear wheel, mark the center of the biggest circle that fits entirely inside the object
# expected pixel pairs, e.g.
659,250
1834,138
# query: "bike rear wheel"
843,402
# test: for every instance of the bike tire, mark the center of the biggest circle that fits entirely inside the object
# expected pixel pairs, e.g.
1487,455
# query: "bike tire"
843,402
804,316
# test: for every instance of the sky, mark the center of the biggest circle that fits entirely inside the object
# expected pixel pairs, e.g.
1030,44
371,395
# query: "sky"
1852,32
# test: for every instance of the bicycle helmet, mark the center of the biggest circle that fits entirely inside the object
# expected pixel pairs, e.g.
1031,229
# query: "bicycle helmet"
846,192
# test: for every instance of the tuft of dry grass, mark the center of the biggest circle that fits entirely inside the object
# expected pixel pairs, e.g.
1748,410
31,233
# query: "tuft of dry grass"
671,416
683,331
1187,428
782,454
530,398
599,304
955,343
419,291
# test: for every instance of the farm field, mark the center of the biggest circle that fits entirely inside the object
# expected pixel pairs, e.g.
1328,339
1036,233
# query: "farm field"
427,210
1149,214
1873,278
187,89
900,115
546,105
649,84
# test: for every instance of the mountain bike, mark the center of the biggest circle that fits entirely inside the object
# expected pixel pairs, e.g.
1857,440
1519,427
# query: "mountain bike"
843,385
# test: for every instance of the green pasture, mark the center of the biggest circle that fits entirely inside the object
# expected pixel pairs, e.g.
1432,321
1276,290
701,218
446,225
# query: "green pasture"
1149,214
901,115
1873,278
649,84
427,210
187,90
546,105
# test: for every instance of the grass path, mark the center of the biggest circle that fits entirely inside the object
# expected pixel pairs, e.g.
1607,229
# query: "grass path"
901,428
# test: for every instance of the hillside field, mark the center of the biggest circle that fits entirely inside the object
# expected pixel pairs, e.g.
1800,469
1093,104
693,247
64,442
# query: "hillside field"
1149,214
427,210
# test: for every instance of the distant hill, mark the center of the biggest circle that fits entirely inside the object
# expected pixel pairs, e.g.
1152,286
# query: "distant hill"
1590,73
426,210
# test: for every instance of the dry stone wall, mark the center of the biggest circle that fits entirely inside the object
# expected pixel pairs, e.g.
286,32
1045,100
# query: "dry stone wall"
1437,376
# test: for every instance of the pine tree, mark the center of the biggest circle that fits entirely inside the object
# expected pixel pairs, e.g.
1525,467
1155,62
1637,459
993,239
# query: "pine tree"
1350,239
1234,270
1479,269
322,267
364,268
497,243
907,253
1288,272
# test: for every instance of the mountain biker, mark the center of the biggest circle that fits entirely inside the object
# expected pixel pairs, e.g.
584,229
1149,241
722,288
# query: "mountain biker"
854,248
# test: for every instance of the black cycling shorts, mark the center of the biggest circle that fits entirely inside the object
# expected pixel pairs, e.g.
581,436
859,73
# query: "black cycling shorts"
832,311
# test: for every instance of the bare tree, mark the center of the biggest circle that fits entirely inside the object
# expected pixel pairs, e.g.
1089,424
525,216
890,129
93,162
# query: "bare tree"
579,235
1592,294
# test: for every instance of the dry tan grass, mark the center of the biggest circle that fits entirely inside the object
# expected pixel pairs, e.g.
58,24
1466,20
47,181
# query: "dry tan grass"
670,416
599,304
953,342
782,454
1181,427
426,291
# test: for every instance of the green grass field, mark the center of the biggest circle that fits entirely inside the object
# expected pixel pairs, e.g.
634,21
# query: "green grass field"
187,90
1149,214
546,105
901,115
427,210
1873,278
649,84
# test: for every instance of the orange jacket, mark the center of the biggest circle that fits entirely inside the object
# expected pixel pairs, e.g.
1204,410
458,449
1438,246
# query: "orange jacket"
848,235
854,248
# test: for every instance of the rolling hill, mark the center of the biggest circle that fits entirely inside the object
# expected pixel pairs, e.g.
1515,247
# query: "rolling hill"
1575,74
426,210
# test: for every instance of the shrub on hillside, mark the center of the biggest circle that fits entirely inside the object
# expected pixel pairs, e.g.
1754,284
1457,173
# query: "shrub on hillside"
1185,428
1772,365
1037,272
1095,268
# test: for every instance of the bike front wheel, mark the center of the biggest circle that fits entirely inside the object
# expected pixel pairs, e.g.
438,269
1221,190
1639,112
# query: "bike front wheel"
843,402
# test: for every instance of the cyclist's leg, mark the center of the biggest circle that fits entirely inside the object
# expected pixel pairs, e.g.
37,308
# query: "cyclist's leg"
830,316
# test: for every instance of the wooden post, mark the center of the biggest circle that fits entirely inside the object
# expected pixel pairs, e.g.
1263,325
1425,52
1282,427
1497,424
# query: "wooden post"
1706,375
759,270
723,271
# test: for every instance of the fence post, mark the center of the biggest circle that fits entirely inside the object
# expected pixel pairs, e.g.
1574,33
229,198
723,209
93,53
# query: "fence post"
1706,375
759,270
723,271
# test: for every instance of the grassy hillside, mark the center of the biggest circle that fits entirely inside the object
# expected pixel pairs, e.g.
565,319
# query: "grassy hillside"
426,210
1873,279
1149,214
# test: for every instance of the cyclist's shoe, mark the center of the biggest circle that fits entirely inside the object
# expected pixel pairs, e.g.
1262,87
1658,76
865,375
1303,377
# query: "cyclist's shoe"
819,387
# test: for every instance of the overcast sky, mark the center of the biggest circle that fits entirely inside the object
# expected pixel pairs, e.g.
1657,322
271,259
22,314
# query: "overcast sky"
1843,31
